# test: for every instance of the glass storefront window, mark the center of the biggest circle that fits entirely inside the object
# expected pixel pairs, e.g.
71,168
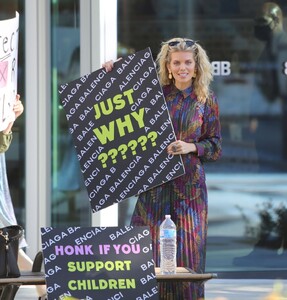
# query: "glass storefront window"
248,186
69,196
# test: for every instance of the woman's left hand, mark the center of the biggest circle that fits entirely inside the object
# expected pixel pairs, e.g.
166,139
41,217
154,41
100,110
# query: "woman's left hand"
18,107
180,147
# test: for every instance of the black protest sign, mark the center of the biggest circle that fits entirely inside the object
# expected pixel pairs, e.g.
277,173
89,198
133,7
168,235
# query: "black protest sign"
104,263
121,129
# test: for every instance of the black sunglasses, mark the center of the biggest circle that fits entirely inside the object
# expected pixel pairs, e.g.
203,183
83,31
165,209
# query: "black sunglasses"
189,43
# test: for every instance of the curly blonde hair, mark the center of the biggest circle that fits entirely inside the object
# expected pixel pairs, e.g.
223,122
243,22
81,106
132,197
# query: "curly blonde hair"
203,66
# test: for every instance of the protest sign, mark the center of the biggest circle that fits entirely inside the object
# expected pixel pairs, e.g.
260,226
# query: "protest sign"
107,263
121,129
9,32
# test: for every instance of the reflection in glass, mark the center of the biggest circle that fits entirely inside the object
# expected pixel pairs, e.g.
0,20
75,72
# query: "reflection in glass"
252,94
70,203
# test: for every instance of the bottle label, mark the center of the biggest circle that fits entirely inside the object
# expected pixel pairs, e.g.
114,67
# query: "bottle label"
168,233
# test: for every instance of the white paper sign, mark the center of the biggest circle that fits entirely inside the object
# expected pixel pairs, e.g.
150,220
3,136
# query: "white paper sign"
9,34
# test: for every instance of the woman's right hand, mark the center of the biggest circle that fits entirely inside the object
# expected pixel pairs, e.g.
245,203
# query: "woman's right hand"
108,65
18,107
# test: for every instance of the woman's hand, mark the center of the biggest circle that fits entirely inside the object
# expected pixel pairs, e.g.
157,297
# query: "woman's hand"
108,65
18,107
180,147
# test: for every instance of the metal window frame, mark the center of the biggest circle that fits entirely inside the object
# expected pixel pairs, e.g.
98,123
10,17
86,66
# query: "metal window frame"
98,34
37,109
99,40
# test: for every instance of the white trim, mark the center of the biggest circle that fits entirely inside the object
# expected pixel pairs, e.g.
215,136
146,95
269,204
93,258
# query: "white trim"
98,44
98,25
37,110
104,47
85,37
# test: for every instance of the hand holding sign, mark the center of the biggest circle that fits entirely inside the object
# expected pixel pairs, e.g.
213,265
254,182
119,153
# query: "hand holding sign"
121,129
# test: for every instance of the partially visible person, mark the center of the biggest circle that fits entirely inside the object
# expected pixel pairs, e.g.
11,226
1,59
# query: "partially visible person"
185,73
272,62
7,215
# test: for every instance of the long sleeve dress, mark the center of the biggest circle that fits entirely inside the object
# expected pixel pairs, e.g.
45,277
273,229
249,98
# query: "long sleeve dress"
184,198
7,215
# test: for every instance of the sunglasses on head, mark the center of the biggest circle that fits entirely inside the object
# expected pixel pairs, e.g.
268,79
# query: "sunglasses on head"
188,43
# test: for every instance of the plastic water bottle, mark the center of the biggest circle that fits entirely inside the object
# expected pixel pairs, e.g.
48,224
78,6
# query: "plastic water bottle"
167,246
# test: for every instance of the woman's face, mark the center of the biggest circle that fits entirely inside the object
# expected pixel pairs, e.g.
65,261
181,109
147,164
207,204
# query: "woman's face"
182,67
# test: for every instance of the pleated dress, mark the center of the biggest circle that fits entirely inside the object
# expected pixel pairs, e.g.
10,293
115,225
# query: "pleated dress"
185,197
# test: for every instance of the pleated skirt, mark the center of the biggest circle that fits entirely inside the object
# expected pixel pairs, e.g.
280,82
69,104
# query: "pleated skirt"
187,206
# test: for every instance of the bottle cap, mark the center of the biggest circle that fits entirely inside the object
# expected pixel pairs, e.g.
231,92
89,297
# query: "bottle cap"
167,216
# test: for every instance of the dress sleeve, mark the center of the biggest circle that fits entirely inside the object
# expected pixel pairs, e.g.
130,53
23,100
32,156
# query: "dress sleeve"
5,141
209,146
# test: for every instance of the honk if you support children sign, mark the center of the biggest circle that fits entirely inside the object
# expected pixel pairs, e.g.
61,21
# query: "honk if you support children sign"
99,263
121,129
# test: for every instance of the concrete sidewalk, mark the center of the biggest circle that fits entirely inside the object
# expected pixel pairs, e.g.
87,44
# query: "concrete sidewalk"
215,289
248,289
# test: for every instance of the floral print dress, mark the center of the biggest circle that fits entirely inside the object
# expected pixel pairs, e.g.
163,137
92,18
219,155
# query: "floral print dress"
185,197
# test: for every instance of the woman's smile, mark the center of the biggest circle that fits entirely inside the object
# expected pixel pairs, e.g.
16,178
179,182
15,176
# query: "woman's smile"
182,68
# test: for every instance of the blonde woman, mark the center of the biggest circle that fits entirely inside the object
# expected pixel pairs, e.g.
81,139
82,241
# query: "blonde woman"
185,74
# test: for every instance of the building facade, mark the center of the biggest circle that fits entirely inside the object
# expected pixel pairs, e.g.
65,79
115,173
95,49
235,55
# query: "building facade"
60,40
